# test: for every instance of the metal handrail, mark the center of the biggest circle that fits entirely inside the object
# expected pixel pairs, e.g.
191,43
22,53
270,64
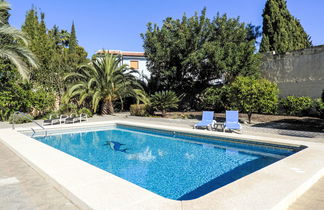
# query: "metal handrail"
26,116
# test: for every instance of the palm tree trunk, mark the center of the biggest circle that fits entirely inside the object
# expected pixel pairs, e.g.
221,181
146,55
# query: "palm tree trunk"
107,107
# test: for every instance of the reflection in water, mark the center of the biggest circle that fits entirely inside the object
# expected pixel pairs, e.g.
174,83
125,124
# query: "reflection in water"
189,156
161,153
145,156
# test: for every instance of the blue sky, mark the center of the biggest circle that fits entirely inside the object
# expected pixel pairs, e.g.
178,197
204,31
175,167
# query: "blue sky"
117,24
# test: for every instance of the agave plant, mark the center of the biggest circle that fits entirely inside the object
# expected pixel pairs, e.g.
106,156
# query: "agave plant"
10,47
164,100
104,81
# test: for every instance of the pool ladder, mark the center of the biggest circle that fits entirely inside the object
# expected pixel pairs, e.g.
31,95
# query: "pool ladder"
27,117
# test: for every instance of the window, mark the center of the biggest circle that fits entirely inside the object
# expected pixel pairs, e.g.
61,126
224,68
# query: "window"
134,64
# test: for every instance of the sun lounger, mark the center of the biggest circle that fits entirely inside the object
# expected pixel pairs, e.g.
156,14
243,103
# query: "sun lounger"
232,122
207,120
71,119
83,117
51,121
63,118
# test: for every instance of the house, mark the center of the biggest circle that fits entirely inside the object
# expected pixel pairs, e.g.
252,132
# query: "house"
135,60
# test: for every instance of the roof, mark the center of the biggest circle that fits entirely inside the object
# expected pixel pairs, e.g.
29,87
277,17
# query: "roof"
123,53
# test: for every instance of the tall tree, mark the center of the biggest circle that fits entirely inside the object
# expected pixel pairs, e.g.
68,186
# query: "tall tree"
73,42
281,31
41,46
13,44
52,48
76,54
186,55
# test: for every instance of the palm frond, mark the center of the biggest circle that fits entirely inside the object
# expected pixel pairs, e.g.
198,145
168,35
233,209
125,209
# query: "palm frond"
14,33
17,55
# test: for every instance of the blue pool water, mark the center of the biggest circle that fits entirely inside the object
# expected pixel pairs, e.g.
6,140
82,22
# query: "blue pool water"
169,164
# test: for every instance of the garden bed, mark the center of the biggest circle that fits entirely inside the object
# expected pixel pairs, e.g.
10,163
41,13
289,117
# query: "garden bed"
312,124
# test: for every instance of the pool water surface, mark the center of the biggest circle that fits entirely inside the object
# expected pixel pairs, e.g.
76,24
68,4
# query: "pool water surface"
173,166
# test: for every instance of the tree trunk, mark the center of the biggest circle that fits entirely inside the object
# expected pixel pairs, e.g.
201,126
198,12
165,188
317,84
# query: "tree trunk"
249,117
57,102
163,112
107,108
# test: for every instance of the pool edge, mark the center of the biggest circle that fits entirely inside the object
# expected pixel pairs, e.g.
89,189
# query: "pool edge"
204,200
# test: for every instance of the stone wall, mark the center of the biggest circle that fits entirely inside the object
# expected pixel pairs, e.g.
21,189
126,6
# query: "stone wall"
298,73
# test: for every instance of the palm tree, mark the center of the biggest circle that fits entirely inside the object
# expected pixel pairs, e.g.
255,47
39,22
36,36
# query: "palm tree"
164,100
10,44
103,81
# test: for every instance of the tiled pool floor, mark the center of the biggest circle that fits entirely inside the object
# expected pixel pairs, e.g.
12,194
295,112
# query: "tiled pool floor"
23,188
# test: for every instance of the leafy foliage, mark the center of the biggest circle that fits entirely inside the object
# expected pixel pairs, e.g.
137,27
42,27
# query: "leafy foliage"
13,44
86,111
52,50
281,31
140,109
22,97
296,105
103,82
164,100
252,95
216,98
185,55
68,108
41,101
19,119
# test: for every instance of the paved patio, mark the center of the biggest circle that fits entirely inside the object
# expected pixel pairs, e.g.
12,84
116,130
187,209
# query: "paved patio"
23,188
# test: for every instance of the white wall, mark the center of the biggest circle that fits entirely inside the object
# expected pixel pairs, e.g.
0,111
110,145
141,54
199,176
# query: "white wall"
142,69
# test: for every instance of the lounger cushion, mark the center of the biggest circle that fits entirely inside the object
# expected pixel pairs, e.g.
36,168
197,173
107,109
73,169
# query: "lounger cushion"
204,123
232,125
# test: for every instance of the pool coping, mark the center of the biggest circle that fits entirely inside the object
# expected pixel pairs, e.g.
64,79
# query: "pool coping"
273,187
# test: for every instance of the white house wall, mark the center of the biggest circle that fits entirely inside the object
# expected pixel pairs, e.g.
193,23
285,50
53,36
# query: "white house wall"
142,69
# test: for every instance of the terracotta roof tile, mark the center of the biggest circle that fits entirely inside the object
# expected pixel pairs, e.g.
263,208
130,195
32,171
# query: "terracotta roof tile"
125,53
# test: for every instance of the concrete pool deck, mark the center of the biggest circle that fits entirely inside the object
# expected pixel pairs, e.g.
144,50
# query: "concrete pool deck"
253,187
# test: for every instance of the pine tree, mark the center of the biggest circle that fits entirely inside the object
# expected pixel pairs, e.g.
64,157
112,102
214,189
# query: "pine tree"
41,45
281,31
73,42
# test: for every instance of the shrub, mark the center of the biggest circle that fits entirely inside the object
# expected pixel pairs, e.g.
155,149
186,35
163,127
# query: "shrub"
297,106
139,110
252,95
15,98
42,101
68,109
86,111
19,119
216,99
164,100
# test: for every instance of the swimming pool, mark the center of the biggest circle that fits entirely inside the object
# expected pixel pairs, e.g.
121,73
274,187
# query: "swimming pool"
175,165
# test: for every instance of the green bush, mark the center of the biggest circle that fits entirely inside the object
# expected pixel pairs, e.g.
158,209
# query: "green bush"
139,110
297,106
216,99
86,111
251,95
68,109
14,98
164,100
19,119
42,102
